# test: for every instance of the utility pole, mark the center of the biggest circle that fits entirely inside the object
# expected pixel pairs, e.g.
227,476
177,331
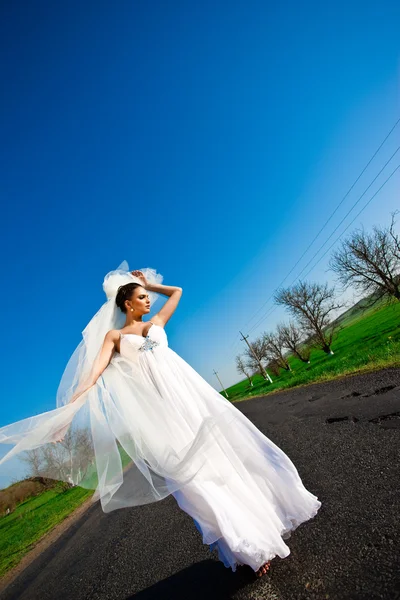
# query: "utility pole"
263,371
226,394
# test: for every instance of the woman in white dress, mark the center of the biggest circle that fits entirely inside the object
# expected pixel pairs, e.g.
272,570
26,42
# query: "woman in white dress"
136,423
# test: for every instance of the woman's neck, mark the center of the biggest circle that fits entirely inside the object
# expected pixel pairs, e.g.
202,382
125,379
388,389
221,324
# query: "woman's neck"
132,322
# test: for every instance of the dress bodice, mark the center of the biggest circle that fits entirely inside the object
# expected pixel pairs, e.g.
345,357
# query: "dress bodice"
133,345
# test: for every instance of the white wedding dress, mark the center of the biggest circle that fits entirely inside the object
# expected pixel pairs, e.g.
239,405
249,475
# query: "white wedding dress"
247,495
180,437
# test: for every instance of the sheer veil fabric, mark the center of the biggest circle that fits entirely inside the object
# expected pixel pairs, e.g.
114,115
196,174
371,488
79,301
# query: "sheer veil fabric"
78,459
151,427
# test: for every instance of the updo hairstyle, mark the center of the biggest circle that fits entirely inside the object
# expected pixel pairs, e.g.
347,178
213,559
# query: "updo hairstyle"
125,293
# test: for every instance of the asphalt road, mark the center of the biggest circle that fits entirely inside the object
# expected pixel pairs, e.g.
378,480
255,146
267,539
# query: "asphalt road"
343,437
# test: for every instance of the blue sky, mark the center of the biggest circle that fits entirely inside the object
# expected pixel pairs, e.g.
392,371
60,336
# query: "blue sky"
209,141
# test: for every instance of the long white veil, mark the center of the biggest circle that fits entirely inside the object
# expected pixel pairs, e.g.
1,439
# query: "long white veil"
99,450
109,316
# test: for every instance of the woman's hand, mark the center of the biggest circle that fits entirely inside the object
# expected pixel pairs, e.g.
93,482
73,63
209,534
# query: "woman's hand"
60,434
141,277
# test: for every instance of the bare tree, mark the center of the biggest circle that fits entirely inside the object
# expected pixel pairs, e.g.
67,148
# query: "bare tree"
313,305
370,262
292,338
65,461
34,459
242,367
275,349
255,355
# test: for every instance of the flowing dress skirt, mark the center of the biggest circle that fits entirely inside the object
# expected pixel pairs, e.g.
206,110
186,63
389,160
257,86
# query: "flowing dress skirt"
151,427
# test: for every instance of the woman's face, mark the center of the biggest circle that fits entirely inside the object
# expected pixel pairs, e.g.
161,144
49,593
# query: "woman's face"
140,301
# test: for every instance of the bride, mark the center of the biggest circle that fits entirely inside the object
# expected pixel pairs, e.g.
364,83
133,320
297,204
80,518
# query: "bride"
136,423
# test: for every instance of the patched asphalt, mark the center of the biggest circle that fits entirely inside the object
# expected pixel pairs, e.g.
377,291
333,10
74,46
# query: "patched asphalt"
343,437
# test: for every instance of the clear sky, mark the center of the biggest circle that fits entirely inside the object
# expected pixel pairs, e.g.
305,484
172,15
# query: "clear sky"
210,141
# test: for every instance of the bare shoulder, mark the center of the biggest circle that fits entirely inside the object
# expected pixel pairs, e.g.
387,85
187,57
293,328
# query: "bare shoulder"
112,335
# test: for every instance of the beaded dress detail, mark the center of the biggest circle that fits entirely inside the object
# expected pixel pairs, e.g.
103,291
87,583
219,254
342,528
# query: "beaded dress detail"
149,344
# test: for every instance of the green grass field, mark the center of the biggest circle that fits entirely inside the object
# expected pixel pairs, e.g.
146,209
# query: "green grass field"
31,520
368,341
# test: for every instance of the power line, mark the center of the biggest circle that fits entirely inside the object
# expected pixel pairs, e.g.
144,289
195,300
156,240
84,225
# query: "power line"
351,223
335,241
270,311
329,219
325,224
348,212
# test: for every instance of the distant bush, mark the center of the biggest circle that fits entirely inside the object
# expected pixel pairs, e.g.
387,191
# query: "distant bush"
22,490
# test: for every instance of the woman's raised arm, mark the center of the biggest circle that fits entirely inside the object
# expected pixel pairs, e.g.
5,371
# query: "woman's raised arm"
174,293
171,304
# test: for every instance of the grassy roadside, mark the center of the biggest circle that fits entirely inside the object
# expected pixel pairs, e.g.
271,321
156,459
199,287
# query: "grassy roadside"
32,519
368,341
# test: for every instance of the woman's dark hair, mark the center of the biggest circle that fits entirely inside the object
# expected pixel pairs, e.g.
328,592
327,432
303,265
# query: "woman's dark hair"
125,293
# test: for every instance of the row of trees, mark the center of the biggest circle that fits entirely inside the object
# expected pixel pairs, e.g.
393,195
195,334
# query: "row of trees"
66,461
367,262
